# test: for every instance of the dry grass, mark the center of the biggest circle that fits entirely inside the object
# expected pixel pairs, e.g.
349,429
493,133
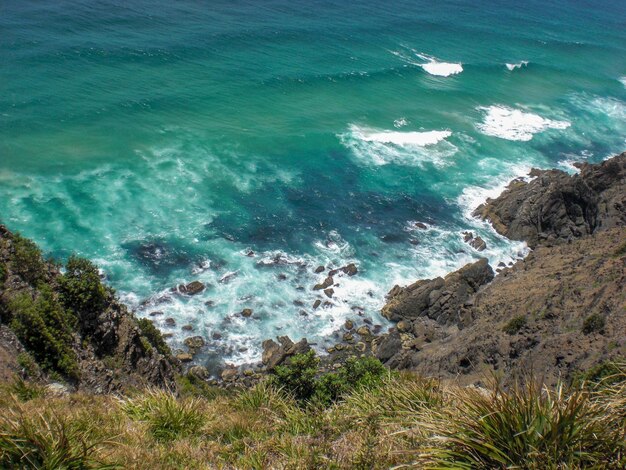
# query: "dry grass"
407,422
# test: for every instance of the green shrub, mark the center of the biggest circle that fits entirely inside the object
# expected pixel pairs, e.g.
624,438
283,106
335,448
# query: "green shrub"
356,373
527,428
515,325
45,330
81,290
604,374
3,273
27,261
167,417
191,386
621,250
154,337
298,377
28,364
45,442
593,323
25,391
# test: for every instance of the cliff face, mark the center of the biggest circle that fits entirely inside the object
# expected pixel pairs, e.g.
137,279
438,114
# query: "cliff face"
559,311
555,206
69,326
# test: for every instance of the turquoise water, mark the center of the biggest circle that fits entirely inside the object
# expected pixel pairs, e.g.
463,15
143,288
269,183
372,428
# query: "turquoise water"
167,140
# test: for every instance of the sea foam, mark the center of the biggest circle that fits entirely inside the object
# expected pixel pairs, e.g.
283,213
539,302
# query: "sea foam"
517,65
439,69
514,124
381,147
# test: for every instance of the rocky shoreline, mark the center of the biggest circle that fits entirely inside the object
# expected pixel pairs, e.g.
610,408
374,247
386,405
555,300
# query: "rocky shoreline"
531,316
474,322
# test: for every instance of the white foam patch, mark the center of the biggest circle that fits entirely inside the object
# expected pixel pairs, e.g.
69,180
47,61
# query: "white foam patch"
519,65
514,124
623,80
381,147
429,64
439,69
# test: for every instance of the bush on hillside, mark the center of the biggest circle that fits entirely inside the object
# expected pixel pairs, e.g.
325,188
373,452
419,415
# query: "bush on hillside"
26,260
515,325
45,330
81,290
300,378
593,323
154,337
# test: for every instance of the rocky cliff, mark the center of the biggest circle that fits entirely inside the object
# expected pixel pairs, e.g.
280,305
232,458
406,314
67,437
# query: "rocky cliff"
68,326
559,311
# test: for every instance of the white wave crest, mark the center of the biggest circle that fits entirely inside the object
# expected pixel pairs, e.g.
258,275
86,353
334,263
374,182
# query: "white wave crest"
518,65
513,124
430,64
623,80
381,147
439,69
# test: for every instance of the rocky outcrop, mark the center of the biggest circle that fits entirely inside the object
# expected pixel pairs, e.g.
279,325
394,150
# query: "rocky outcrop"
276,353
110,349
440,299
557,206
557,312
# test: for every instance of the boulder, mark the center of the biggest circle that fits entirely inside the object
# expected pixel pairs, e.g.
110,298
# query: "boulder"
327,283
194,342
317,303
193,288
329,292
350,269
276,353
184,357
319,269
246,312
439,298
200,372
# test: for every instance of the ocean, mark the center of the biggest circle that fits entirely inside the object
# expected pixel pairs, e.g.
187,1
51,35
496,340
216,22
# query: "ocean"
246,143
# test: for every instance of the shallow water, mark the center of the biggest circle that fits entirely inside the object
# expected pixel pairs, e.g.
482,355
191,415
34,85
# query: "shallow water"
167,140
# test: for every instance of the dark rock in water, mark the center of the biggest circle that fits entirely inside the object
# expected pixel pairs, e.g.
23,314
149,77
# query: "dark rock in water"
170,321
440,298
421,226
350,269
478,243
327,283
556,206
475,242
319,269
246,312
329,292
349,324
194,343
156,313
317,303
393,237
159,256
250,254
187,328
414,242
193,288
501,265
282,277
216,335
210,303
298,303
276,353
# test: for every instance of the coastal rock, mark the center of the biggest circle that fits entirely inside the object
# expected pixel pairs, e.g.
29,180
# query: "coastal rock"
246,312
276,353
319,269
184,357
199,372
329,292
317,303
327,283
439,299
194,343
193,288
556,206
420,225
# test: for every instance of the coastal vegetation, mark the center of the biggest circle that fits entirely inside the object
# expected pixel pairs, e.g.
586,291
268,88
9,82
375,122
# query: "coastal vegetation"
398,419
